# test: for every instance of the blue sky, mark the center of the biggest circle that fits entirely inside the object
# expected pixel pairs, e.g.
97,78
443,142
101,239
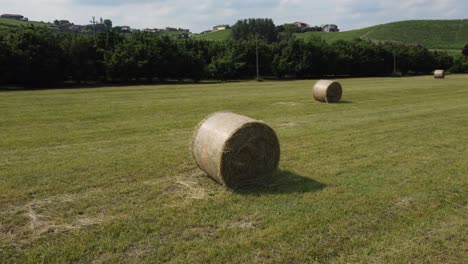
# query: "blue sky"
200,15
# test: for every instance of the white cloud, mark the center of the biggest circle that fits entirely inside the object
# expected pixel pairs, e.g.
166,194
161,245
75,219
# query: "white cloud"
203,14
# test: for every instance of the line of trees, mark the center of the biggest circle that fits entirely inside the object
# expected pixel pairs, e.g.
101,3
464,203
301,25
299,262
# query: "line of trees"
265,29
33,56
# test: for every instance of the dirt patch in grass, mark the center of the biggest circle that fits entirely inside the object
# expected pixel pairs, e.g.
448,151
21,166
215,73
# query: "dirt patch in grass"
288,124
201,231
245,223
192,180
25,223
189,186
193,190
287,104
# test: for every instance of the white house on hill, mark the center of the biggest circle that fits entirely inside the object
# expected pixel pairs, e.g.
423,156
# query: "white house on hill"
330,28
301,25
220,27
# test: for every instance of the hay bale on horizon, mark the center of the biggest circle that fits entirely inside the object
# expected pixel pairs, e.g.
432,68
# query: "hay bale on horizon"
439,74
327,91
236,150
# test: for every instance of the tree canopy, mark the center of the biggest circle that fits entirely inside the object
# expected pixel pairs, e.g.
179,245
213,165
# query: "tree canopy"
248,29
33,56
465,50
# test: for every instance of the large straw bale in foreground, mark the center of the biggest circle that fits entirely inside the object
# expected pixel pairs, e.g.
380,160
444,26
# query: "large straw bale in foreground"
439,74
327,91
235,150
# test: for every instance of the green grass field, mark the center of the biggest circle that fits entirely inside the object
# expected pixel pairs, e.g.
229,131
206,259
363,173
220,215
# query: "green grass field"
106,175
433,34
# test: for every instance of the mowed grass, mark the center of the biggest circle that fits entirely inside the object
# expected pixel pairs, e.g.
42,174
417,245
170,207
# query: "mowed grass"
106,175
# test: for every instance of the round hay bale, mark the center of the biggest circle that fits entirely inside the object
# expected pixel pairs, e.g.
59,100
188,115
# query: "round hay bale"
439,74
236,150
327,91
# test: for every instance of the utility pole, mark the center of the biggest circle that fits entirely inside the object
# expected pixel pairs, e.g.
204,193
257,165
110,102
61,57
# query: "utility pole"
256,55
394,61
94,26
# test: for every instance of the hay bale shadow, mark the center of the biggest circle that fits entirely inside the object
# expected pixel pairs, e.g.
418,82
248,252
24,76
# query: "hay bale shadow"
346,102
283,182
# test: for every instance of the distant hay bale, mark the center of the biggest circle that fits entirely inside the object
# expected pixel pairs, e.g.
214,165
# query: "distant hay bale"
235,150
327,91
439,74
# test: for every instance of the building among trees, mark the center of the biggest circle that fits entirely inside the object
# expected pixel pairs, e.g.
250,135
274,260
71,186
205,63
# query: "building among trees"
330,28
220,27
301,25
13,16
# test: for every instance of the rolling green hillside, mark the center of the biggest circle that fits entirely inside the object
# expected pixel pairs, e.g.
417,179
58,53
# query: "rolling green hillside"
173,34
8,24
217,35
433,34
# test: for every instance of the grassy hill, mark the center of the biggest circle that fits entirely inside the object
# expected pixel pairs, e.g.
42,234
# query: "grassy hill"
106,175
433,34
9,24
217,35
174,34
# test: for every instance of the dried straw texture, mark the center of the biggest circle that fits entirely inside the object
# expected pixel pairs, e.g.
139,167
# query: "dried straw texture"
236,150
327,91
439,74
